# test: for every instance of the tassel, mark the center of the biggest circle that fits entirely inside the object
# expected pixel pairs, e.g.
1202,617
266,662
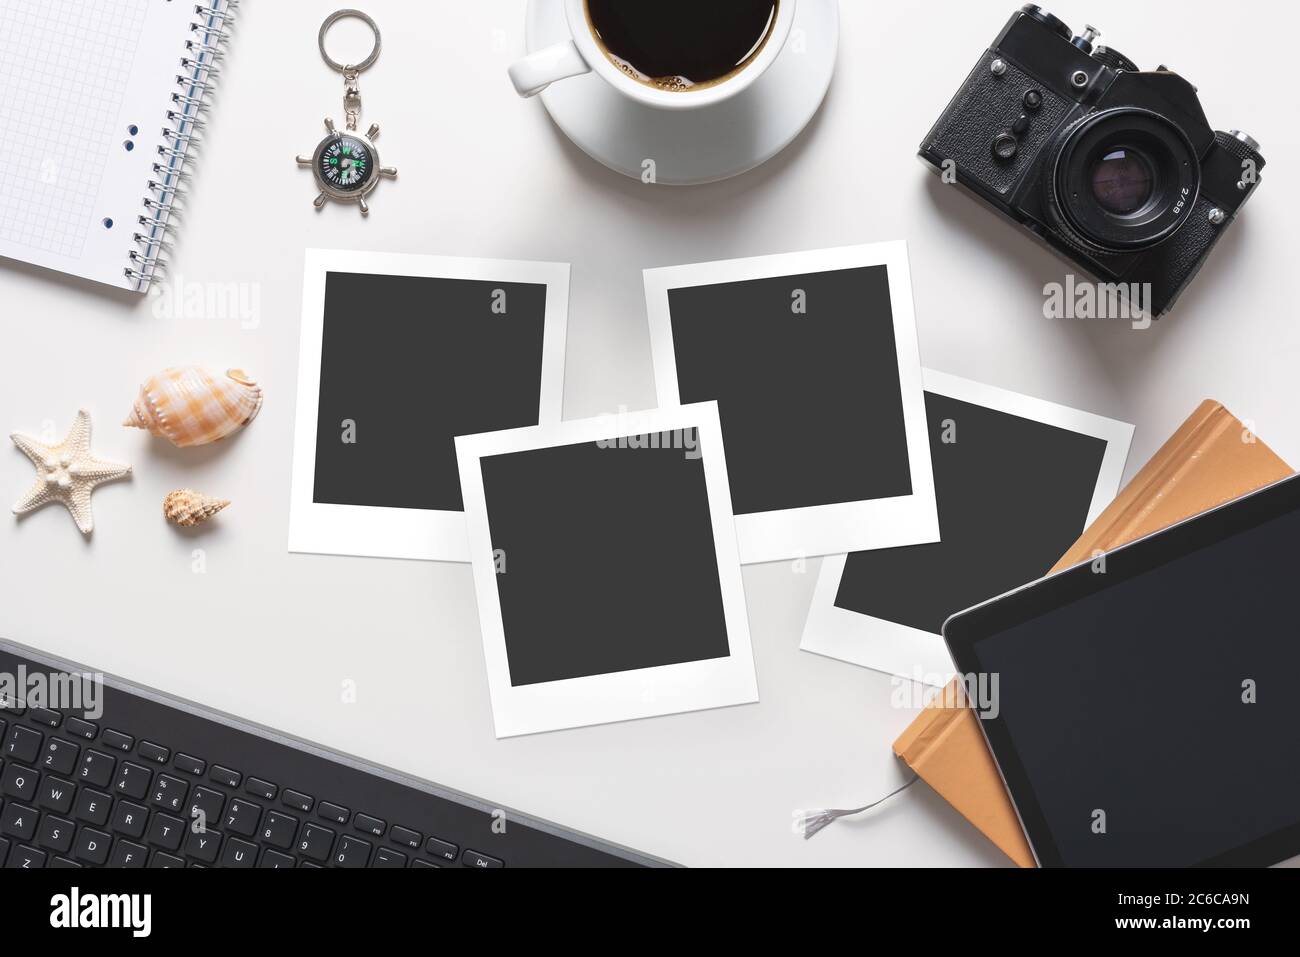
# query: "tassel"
814,821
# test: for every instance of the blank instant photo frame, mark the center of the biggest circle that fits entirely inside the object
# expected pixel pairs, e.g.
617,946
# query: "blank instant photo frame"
606,570
1031,478
399,354
813,360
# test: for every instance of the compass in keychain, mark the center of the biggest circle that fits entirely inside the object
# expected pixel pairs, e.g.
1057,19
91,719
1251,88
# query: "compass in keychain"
346,164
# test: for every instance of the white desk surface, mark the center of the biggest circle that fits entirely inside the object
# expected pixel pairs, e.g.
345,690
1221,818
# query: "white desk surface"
271,636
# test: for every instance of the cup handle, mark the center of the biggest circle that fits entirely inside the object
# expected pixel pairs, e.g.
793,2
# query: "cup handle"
539,70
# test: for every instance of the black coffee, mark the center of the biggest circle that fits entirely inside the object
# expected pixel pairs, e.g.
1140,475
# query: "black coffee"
682,45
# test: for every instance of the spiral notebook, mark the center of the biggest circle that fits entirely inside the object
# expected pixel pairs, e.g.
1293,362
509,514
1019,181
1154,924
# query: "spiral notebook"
99,102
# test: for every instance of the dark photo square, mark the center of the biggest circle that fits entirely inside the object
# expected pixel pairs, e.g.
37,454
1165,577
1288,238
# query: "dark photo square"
810,401
606,560
1013,496
407,364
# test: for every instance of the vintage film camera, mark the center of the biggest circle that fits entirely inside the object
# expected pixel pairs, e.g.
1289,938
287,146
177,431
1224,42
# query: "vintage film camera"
1116,168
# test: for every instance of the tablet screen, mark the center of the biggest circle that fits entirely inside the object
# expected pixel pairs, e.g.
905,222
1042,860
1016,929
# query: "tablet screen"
1148,716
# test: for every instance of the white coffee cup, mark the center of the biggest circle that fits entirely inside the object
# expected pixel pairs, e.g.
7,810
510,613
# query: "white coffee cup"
581,53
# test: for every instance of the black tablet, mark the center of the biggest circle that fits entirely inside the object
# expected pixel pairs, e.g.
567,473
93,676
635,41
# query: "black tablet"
1141,706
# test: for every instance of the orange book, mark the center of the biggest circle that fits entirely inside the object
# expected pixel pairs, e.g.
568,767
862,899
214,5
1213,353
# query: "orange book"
1211,459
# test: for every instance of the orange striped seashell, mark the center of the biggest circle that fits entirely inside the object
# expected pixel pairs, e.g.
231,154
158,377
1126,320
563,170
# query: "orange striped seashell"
192,406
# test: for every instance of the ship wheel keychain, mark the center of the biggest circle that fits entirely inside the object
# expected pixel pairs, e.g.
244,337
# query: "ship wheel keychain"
346,165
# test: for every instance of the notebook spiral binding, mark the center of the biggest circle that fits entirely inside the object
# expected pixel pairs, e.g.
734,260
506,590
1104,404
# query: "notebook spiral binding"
201,70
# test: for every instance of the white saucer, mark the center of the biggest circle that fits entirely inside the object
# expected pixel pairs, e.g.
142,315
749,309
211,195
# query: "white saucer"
695,146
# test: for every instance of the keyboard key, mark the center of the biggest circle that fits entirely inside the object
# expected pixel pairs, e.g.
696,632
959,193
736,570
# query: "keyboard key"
309,865
60,756
351,852
315,842
263,789
117,740
238,853
46,717
206,806
126,854
387,857
169,793
190,765
18,821
203,846
62,862
297,800
274,860
81,729
4,850
154,752
371,825
419,863
93,807
278,829
442,849
166,832
161,860
23,744
26,858
96,769
242,817
56,834
132,780
130,819
407,837
56,794
225,776
332,812
475,859
92,846
20,782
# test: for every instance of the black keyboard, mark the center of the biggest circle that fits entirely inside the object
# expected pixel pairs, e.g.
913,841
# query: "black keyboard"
154,781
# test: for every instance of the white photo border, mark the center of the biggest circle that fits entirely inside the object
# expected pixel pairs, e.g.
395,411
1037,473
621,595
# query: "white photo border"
628,695
376,531
922,656
821,529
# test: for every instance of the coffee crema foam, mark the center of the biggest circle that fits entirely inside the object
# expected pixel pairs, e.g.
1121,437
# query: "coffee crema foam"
672,84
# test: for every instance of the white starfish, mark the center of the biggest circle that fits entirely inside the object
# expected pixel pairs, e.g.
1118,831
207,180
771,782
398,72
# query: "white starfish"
66,473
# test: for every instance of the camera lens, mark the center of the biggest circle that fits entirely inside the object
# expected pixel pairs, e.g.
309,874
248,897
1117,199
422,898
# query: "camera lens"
1122,180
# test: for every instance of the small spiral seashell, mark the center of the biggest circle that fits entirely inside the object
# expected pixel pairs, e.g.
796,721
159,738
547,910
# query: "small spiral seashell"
187,508
192,406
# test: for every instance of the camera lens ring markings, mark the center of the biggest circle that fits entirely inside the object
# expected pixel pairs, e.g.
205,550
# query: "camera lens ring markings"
1071,188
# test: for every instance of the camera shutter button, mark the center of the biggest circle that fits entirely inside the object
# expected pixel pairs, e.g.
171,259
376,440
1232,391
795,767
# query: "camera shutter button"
1005,146
1033,100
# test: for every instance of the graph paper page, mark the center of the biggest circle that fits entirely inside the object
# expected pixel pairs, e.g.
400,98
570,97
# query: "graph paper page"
85,86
